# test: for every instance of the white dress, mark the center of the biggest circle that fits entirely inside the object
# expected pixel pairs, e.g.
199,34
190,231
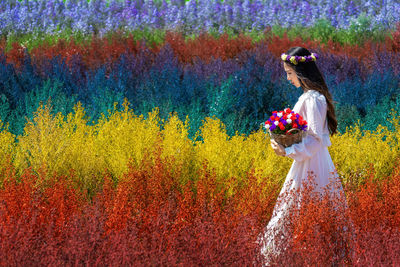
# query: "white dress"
311,155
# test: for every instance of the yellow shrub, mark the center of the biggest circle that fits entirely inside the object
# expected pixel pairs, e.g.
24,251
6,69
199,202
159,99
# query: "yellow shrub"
354,151
267,163
178,148
42,144
80,153
124,137
7,147
54,144
235,156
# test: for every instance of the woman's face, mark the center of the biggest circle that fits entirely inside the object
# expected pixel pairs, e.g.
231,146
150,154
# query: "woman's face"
291,75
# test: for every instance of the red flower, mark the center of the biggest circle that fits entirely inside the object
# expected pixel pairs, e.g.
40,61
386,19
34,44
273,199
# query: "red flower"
295,125
288,110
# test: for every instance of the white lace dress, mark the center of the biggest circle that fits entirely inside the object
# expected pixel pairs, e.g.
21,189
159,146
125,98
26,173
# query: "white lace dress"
311,155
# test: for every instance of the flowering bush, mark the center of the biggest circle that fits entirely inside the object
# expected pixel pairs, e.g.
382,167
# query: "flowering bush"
101,17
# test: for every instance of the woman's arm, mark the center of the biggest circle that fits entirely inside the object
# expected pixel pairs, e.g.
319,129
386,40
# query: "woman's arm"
315,110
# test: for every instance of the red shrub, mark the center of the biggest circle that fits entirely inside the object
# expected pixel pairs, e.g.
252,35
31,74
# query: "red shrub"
394,42
364,54
207,47
16,55
316,233
105,51
277,45
324,231
3,44
375,209
32,217
148,218
94,54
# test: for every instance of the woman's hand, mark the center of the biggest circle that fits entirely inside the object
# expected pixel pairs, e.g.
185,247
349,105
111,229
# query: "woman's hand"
279,149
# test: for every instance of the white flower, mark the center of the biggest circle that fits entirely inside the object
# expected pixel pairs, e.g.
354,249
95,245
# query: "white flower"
289,121
267,126
289,116
279,114
276,123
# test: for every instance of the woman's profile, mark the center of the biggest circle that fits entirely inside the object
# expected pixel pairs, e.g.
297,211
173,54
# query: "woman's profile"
311,155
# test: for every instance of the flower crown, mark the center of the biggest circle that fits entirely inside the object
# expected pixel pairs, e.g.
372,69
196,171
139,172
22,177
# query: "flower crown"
296,59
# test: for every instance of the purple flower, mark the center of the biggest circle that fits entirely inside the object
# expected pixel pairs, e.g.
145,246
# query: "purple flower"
87,16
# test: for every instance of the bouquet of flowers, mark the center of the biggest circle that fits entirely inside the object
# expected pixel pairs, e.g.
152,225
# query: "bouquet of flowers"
286,127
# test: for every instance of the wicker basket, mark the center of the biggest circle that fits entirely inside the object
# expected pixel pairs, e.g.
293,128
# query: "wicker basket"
288,140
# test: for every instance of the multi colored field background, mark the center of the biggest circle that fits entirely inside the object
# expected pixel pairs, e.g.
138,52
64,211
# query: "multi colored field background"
131,130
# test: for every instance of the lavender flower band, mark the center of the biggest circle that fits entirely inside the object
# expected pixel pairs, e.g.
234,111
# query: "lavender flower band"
296,59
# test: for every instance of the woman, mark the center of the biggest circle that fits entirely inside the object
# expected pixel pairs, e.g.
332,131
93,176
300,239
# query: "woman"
311,155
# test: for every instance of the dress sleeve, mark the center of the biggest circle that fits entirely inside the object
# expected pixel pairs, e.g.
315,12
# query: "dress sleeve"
315,110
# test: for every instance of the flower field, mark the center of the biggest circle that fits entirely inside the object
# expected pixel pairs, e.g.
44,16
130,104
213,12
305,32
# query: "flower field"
131,131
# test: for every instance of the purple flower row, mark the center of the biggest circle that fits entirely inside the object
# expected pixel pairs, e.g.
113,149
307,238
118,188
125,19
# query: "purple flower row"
102,16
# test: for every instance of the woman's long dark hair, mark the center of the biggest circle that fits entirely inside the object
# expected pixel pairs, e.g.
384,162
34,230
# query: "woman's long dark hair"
311,78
